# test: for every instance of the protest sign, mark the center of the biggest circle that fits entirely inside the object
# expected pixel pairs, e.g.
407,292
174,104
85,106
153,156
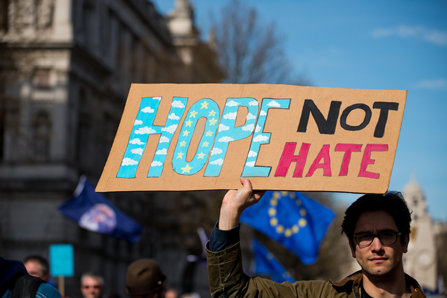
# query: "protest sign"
61,260
281,137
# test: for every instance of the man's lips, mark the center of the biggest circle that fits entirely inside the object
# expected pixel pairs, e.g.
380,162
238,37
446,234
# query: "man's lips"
377,259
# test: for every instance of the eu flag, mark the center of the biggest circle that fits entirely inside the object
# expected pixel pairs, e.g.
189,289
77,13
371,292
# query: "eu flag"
266,263
94,212
292,219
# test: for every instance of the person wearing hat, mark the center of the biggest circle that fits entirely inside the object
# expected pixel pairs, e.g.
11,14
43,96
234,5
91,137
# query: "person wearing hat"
144,279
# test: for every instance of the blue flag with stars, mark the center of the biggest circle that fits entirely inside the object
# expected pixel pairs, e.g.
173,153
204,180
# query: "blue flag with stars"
267,264
292,219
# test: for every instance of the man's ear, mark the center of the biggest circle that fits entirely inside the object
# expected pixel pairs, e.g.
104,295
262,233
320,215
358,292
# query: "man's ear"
405,241
352,247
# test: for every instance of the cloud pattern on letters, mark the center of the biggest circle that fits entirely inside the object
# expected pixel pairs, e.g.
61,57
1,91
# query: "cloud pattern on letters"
260,137
143,128
228,132
214,141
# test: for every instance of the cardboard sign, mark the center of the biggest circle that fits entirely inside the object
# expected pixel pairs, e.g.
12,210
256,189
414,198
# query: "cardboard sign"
61,260
281,137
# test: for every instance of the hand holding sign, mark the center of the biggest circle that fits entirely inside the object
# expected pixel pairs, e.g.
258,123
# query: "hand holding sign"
206,136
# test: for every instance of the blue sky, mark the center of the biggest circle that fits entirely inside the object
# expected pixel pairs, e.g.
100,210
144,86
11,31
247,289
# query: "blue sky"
399,44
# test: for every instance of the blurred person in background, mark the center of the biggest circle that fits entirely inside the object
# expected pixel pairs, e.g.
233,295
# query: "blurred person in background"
92,285
37,266
171,293
144,279
16,282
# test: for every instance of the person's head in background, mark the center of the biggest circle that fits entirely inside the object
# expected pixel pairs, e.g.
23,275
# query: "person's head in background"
92,285
144,279
171,293
37,266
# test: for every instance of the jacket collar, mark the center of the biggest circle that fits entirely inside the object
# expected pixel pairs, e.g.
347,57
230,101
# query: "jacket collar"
354,282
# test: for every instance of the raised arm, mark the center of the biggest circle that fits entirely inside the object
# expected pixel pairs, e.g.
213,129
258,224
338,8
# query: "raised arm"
235,202
225,273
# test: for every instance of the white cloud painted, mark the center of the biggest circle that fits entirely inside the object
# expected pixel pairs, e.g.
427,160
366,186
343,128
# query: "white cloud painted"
217,162
274,104
250,164
437,37
232,103
129,162
251,117
258,128
223,127
230,115
253,103
164,140
157,98
263,113
138,151
156,163
226,139
252,153
248,127
216,151
171,128
144,130
136,141
173,116
163,151
138,122
148,110
260,138
178,104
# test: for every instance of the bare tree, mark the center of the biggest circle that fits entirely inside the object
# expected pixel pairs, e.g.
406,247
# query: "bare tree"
250,50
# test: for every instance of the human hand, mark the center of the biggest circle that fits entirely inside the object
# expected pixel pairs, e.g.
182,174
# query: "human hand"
235,202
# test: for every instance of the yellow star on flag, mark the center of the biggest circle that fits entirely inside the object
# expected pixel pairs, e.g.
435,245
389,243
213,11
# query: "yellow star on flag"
185,133
193,114
182,144
213,121
180,155
201,155
212,113
205,144
209,133
188,123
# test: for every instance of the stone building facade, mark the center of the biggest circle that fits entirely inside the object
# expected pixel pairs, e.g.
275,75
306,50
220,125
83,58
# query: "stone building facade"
65,69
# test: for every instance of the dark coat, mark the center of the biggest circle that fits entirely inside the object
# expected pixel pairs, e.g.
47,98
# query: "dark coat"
227,279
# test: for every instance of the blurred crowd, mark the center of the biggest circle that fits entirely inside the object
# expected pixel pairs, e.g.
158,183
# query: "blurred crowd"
144,279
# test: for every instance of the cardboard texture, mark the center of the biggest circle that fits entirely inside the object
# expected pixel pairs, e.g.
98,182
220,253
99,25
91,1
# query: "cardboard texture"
281,137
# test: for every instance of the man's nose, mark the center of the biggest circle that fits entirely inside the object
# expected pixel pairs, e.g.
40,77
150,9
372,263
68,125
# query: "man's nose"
376,244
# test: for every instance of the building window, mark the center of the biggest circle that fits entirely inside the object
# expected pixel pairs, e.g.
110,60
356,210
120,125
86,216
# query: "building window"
4,11
2,130
42,136
84,131
88,24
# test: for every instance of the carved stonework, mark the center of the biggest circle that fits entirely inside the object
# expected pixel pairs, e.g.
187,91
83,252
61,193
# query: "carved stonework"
45,11
420,261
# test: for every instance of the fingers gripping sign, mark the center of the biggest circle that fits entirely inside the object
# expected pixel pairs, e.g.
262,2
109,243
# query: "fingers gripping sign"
235,202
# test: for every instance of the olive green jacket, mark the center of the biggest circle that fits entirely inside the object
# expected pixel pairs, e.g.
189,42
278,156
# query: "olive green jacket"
227,279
